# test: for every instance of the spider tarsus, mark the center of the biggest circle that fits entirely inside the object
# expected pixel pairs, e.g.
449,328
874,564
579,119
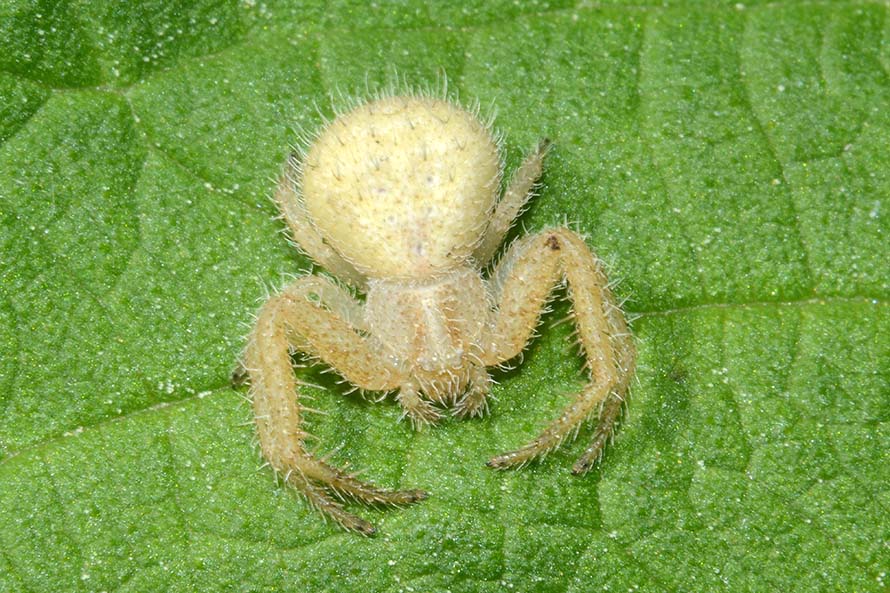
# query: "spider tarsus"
357,524
471,407
415,495
594,451
425,414
591,457
399,497
504,460
420,412
462,412
344,485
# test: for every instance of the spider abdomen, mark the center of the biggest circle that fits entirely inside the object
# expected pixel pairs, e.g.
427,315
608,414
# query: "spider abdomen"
402,187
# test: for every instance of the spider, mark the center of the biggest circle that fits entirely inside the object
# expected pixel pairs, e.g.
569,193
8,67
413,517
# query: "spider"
398,198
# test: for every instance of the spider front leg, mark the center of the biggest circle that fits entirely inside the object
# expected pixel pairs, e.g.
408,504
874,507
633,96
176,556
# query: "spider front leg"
313,316
522,283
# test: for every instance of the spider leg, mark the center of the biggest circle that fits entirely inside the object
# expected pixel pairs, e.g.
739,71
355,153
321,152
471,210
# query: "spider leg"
522,283
298,317
475,400
304,233
420,412
516,196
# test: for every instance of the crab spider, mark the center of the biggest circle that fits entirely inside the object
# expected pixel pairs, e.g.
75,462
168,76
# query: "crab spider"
398,198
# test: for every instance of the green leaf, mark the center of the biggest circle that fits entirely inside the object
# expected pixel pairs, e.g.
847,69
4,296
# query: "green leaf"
728,160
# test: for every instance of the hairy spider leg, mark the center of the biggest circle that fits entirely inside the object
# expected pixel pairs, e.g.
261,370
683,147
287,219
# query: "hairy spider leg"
510,206
522,283
475,401
297,318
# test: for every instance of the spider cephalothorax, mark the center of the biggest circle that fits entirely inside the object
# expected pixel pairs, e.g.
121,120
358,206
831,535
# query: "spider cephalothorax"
399,198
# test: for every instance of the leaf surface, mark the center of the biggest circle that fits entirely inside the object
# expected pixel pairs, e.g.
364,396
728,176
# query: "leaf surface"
729,161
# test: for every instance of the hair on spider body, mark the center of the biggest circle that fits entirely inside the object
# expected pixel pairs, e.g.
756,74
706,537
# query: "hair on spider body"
399,198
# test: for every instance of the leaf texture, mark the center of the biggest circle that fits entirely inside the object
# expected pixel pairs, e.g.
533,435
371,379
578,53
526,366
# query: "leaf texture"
729,161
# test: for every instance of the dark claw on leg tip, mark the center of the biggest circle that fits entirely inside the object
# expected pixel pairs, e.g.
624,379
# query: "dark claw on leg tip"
418,495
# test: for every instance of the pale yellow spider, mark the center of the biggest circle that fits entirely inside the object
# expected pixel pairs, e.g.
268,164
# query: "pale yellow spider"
399,199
